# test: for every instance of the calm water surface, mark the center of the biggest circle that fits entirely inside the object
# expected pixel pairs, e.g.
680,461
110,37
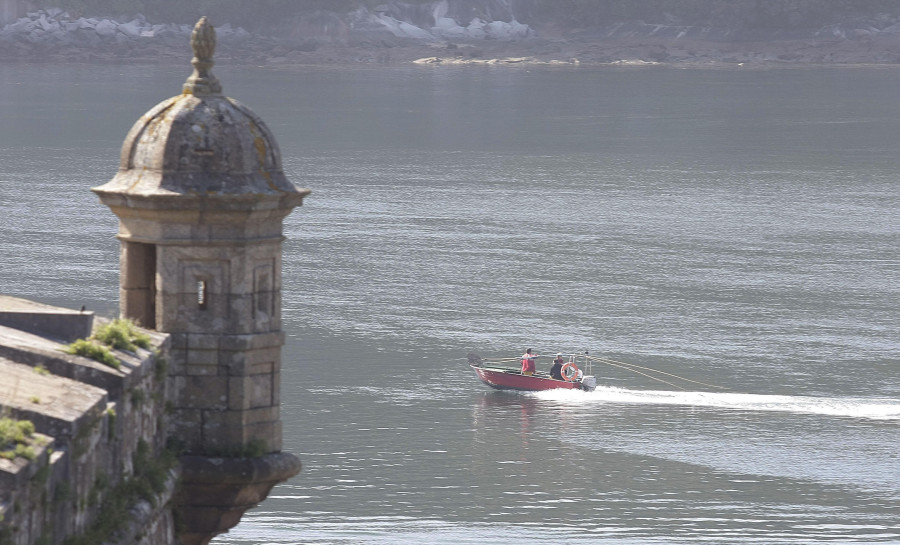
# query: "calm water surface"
736,228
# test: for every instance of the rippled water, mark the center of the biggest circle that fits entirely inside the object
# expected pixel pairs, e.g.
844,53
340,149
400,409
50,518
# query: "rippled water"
735,228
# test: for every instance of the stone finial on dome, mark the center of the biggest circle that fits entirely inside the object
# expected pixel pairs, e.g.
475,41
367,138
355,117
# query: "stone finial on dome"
203,42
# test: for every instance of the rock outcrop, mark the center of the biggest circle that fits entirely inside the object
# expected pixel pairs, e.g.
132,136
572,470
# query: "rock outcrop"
459,32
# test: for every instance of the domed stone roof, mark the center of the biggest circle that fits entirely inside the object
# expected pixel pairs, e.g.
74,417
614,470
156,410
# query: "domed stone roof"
200,143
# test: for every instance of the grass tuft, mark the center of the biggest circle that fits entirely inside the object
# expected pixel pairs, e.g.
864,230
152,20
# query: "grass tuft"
122,334
118,334
16,438
88,349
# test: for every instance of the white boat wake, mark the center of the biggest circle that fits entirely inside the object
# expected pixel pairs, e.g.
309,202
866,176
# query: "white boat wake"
852,407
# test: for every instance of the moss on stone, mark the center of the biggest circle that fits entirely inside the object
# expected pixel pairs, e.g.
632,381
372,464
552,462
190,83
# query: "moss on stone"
111,422
137,397
122,334
255,448
89,349
16,438
162,365
147,483
62,493
41,476
119,334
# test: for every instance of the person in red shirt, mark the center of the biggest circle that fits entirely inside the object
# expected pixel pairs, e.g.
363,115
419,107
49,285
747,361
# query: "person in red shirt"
528,362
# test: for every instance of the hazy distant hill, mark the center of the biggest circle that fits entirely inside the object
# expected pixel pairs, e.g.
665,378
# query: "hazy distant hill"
739,17
736,32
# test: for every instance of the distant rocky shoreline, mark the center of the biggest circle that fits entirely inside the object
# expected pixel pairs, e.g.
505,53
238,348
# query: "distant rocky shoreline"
54,36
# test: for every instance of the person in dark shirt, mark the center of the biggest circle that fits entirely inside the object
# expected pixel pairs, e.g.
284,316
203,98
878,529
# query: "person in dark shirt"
556,369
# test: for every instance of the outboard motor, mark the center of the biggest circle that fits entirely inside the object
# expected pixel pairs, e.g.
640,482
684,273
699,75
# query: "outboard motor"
588,383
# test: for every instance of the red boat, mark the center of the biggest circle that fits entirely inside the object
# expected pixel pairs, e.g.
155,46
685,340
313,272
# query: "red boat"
502,377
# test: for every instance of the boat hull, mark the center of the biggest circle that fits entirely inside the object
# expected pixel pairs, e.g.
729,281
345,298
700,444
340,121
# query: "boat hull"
511,379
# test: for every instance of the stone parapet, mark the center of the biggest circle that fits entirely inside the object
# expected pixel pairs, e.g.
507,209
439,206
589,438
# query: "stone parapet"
37,351
58,407
16,473
58,323
92,422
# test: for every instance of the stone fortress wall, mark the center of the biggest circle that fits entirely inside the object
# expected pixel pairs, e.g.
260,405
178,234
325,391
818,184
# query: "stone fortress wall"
99,433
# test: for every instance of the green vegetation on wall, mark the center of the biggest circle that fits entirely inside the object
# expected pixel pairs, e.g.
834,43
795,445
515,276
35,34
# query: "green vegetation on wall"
94,351
147,483
122,335
16,438
118,334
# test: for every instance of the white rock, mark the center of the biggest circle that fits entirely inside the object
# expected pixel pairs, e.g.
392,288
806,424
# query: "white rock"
413,31
131,28
46,24
22,25
476,29
402,29
105,28
448,28
390,23
501,30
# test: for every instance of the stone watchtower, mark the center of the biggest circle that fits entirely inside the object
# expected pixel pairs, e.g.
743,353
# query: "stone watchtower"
200,196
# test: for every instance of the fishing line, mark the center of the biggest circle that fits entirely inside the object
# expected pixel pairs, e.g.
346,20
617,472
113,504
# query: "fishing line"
631,367
613,364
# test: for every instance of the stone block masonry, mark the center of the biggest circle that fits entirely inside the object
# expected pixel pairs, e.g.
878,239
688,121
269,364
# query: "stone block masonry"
200,196
97,429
